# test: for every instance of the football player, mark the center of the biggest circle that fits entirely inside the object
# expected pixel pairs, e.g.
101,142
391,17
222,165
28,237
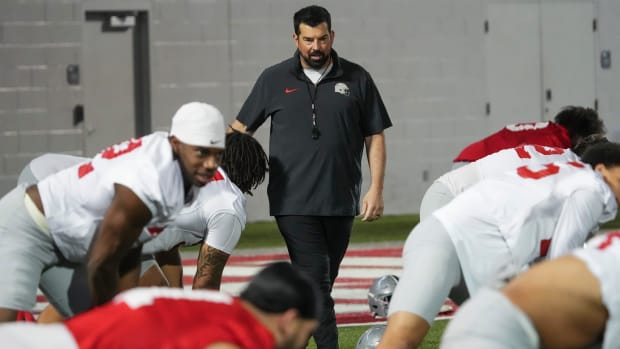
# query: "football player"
278,309
91,214
568,302
446,187
570,126
214,219
498,226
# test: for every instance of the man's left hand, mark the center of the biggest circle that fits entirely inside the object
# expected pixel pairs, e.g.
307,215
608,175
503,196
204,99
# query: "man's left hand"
372,206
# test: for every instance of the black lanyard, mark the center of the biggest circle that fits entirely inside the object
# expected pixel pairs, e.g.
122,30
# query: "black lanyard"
316,133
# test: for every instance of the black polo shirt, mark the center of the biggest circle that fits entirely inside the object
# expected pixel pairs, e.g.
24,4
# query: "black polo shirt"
318,177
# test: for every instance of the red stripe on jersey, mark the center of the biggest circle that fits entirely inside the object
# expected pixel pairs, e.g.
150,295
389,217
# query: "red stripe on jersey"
155,230
544,247
576,164
217,177
85,169
609,240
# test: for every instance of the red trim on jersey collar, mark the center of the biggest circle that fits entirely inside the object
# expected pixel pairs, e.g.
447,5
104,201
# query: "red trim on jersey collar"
217,177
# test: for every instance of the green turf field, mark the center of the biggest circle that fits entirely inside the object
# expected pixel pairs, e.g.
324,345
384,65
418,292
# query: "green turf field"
349,335
389,228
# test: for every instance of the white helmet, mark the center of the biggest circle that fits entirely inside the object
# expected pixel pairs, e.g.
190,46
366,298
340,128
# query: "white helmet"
370,339
380,294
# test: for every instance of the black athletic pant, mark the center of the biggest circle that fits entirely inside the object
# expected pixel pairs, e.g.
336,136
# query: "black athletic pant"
316,245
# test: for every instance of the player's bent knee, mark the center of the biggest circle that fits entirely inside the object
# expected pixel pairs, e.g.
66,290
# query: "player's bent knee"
487,321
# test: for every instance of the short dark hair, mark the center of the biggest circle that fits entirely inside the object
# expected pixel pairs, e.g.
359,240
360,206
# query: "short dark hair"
244,161
312,15
607,154
279,287
580,122
589,141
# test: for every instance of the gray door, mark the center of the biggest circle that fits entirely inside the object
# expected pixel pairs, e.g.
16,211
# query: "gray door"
540,57
513,63
568,55
115,73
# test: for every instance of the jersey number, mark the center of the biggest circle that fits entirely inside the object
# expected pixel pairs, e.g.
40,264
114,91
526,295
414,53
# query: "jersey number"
525,126
524,154
550,169
110,153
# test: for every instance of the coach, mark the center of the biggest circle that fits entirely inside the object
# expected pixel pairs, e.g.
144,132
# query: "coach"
323,110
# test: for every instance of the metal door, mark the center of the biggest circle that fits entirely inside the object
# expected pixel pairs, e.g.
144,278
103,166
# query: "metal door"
513,63
568,55
540,57
116,79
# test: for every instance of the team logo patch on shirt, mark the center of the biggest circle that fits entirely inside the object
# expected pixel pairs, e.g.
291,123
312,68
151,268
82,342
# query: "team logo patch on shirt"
342,88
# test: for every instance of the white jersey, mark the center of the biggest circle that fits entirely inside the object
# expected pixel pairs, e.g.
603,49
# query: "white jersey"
533,212
75,199
216,217
497,163
603,259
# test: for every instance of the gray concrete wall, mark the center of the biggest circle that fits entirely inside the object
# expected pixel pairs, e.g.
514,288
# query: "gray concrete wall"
426,56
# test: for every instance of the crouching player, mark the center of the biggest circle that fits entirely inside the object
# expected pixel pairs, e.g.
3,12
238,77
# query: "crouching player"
569,302
215,220
278,309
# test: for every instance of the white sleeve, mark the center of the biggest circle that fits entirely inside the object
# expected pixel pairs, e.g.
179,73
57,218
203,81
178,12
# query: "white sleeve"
144,181
165,241
580,215
224,231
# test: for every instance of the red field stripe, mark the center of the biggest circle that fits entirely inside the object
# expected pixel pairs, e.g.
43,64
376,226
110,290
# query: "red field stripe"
260,257
355,318
350,301
371,267
376,252
358,282
245,259
370,252
354,286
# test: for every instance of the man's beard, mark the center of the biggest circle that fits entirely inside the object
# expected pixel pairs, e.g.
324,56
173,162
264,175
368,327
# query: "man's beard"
316,64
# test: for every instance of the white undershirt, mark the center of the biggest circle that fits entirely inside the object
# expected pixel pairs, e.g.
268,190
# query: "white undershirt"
317,75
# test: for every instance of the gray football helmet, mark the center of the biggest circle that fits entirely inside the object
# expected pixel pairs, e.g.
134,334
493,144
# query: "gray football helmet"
370,339
380,294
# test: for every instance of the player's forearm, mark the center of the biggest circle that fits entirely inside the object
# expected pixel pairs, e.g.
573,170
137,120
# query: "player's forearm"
122,224
209,268
102,280
376,152
210,283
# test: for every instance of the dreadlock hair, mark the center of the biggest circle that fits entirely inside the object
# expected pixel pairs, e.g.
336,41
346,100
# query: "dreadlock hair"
580,122
244,161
